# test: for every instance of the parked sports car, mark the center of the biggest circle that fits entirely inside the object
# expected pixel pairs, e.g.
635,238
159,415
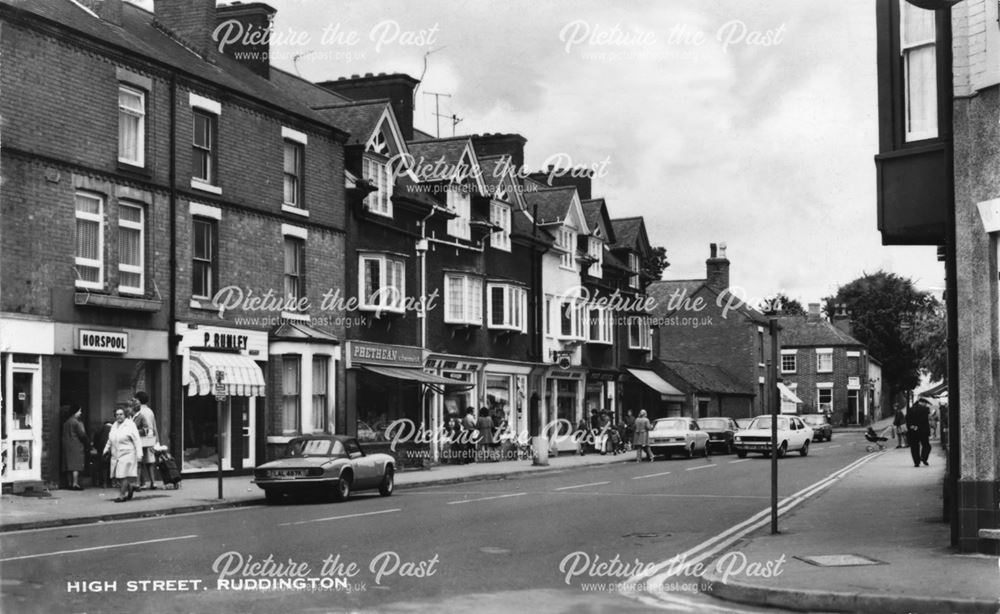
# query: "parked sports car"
680,435
793,434
720,432
330,465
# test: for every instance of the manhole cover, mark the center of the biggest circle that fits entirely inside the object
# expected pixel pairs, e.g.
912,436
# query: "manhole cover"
839,560
494,550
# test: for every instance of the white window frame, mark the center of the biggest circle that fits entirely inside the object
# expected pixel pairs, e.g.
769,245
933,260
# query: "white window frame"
928,82
794,355
500,216
645,338
375,170
567,243
471,296
515,307
577,314
787,406
820,406
210,183
820,354
98,218
605,325
390,270
139,269
140,116
459,203
299,240
198,215
633,265
298,193
595,249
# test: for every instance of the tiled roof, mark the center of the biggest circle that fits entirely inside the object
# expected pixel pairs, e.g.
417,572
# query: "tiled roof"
800,331
306,91
610,260
357,118
553,203
428,153
139,36
520,224
626,232
592,212
662,292
700,377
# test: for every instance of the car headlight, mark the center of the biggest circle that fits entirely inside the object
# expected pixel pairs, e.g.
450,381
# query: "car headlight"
737,439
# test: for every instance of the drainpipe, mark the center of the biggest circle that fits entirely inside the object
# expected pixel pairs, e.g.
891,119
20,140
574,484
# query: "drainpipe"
421,249
173,363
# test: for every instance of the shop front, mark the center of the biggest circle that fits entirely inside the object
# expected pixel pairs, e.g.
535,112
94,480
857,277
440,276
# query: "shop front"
600,393
215,359
505,395
564,398
645,389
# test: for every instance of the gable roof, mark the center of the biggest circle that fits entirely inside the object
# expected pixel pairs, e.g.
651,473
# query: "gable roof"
495,175
630,233
595,211
139,36
361,119
453,151
553,203
694,377
801,331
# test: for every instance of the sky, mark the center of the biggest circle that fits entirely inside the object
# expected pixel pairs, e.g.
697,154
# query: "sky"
744,122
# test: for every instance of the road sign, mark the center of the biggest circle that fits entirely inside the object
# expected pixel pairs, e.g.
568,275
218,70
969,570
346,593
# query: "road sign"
220,386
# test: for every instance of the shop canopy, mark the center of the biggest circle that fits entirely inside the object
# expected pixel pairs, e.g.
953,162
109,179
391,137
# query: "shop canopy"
417,375
787,394
241,375
655,382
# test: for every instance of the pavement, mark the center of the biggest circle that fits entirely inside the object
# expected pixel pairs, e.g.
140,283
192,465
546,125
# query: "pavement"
887,511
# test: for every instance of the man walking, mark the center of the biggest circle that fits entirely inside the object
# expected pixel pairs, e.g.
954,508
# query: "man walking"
919,431
899,422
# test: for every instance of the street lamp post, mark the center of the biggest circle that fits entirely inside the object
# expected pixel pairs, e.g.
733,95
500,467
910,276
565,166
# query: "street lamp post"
772,374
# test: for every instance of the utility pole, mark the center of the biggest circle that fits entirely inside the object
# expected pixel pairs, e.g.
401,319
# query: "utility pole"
437,109
775,401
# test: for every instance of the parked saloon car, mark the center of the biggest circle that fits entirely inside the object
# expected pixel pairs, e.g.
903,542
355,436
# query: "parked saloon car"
793,434
330,465
720,432
821,426
680,435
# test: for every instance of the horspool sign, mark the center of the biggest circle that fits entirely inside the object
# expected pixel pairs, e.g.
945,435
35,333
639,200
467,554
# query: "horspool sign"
109,342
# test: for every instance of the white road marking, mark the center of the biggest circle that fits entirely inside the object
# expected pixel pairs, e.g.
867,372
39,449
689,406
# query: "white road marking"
742,460
288,524
107,547
583,485
700,467
516,494
651,475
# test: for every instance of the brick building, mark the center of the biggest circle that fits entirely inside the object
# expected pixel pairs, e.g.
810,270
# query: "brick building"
701,321
825,368
168,172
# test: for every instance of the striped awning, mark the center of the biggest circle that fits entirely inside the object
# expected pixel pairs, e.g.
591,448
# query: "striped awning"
241,375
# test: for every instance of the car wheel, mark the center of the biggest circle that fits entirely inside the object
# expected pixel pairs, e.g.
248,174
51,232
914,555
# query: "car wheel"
741,453
783,449
805,448
343,488
388,482
272,496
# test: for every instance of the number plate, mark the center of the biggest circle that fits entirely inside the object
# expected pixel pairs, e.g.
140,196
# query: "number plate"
287,473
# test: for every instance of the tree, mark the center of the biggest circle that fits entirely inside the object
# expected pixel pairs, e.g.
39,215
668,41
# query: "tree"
883,308
781,305
929,337
655,263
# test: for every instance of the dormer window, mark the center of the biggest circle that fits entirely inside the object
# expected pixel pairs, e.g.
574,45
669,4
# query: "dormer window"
375,170
500,217
567,243
595,249
459,203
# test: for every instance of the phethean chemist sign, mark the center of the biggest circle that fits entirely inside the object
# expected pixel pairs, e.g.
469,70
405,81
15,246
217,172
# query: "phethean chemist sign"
102,341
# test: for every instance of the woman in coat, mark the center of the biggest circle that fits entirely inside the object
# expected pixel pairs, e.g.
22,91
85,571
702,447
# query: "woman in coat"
74,445
124,445
640,440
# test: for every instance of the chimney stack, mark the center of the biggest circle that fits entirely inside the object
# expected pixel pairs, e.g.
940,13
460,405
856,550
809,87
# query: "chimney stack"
234,22
190,21
814,314
511,145
717,267
841,319
397,88
108,10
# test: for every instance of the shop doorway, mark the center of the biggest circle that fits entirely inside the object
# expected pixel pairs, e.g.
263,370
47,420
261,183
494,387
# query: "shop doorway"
239,433
22,418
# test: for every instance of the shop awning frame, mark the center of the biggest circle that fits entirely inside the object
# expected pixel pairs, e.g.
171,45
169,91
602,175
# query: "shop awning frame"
657,383
787,393
417,374
242,377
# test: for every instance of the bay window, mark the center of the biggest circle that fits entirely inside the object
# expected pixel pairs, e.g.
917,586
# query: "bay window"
375,170
382,282
916,45
595,249
500,216
639,337
463,302
507,307
566,242
459,202
600,325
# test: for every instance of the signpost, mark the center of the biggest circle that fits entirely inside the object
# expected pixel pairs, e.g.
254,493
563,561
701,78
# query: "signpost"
775,398
220,398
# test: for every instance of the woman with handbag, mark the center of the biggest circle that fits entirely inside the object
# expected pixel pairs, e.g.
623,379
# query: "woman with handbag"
124,446
145,421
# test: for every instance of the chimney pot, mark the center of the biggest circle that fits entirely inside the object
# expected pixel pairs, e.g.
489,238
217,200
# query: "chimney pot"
713,250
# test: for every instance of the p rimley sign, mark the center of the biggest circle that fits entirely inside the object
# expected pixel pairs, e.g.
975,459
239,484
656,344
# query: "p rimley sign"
102,341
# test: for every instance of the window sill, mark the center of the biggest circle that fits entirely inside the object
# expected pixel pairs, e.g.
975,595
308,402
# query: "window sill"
395,311
464,324
595,342
202,305
298,317
109,301
197,184
293,209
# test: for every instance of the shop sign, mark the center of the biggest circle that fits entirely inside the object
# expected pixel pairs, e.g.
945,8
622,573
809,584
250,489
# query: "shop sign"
365,353
102,341
854,382
201,336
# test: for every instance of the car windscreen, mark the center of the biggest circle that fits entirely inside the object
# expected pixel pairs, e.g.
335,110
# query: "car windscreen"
713,424
764,422
670,425
315,447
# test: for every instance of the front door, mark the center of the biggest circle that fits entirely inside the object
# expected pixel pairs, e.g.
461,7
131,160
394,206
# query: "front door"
243,451
23,418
